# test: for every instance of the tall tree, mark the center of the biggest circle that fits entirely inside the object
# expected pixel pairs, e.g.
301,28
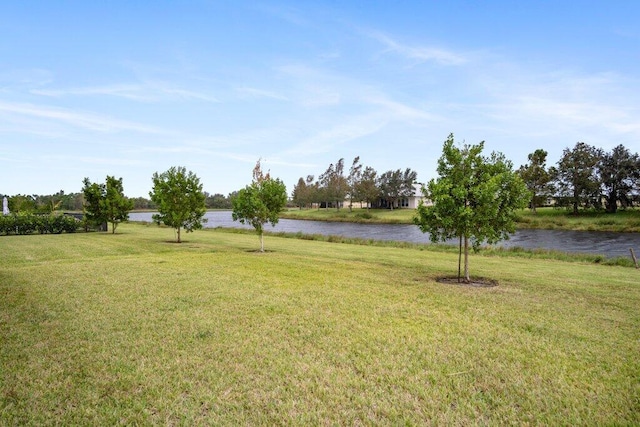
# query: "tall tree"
475,199
368,190
299,196
537,177
396,184
334,184
618,171
179,199
260,203
577,177
353,181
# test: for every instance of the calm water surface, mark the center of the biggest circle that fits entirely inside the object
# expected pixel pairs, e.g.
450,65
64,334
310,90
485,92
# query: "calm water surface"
594,242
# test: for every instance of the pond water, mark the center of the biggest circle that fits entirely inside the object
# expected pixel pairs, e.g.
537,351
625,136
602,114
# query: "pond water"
593,242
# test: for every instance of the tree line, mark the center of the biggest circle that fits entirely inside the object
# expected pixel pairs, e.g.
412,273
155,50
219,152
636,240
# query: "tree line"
74,202
584,177
361,185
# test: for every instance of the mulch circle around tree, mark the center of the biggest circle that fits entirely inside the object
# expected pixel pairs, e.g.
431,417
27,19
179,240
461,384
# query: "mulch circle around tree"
478,282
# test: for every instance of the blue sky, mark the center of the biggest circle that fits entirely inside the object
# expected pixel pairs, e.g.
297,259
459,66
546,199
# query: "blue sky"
90,89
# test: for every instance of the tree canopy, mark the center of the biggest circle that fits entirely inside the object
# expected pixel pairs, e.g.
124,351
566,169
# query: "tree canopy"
537,177
474,199
619,171
260,202
106,203
396,184
179,199
577,177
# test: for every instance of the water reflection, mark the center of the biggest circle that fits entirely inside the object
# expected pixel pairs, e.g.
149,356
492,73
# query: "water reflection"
609,244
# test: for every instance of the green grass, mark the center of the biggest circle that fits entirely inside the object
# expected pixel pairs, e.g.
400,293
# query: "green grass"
549,218
545,218
388,216
101,329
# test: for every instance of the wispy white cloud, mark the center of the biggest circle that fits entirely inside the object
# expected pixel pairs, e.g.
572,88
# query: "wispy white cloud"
348,129
25,77
129,91
146,92
418,53
77,119
101,161
250,92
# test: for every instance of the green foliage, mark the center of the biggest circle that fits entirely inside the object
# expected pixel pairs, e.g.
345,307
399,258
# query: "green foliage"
21,203
260,203
475,198
300,193
577,177
106,202
395,185
367,189
179,199
333,184
537,178
217,201
93,208
22,223
116,204
619,170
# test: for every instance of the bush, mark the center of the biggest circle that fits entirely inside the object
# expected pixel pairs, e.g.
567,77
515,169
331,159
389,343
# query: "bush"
27,223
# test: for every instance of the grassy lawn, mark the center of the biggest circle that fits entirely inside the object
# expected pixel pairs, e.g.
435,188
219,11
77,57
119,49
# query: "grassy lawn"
101,329
549,218
396,216
545,218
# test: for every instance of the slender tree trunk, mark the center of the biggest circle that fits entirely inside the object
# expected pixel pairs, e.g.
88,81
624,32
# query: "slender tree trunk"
179,241
459,258
261,241
467,279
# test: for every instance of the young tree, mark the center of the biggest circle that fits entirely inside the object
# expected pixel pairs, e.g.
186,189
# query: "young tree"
474,198
116,204
179,199
618,170
94,205
260,203
577,176
537,177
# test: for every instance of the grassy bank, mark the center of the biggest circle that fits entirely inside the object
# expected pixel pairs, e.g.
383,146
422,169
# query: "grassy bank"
132,329
545,218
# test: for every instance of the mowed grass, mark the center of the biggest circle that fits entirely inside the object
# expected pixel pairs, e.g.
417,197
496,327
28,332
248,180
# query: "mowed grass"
130,329
384,216
560,219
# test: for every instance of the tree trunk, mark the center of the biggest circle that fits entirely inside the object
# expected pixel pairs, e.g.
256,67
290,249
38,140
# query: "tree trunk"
261,242
467,279
460,259
179,241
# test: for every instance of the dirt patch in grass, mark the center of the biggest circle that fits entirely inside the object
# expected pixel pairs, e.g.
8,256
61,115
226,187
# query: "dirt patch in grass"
476,282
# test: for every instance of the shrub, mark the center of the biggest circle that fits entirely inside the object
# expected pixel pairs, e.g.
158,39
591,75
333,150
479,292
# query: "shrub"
27,223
